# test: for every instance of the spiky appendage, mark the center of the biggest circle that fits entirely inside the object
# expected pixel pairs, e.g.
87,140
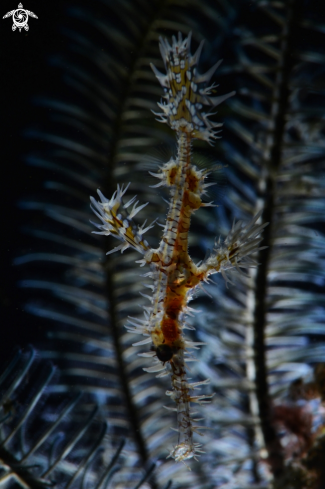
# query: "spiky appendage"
174,273
184,97
117,224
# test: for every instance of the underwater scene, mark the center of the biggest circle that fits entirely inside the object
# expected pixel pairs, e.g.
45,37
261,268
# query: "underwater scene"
163,262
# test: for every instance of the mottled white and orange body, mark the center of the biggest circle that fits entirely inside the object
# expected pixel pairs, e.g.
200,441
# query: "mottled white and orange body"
174,274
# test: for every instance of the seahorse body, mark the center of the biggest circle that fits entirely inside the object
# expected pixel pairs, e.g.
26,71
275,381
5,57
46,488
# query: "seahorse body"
174,274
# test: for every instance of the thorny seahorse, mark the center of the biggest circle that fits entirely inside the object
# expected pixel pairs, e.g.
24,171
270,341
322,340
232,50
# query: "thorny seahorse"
175,276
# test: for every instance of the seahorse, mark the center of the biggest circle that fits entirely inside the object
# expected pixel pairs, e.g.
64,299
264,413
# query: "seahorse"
174,274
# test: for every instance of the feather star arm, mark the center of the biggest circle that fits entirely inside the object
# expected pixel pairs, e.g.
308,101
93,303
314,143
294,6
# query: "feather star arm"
172,270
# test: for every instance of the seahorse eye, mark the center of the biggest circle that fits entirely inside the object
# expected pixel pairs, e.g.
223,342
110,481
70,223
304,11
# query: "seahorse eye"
164,353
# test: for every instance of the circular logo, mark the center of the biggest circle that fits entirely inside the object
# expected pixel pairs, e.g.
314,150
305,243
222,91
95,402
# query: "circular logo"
20,18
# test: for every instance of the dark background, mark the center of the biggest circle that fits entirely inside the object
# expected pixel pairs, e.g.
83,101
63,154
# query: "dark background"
25,74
